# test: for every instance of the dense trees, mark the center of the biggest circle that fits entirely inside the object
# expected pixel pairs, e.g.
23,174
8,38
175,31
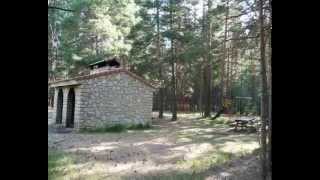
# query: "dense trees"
206,52
88,32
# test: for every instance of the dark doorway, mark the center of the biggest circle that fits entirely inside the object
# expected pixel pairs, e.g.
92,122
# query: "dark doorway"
70,108
59,107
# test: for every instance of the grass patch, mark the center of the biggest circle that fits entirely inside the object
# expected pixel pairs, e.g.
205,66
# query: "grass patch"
202,164
171,176
59,164
61,167
220,122
117,128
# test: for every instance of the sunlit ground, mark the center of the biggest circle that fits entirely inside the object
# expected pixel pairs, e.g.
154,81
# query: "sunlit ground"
184,147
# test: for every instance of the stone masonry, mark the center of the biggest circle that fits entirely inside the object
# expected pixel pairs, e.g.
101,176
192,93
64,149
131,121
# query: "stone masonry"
107,99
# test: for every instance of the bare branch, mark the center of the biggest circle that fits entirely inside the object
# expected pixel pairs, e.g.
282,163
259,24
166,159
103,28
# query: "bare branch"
243,38
59,8
244,12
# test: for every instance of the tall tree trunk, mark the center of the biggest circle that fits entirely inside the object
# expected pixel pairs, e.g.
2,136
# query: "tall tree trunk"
265,98
228,74
206,93
200,89
207,112
223,92
54,50
161,96
165,97
270,125
173,78
159,61
207,61
209,101
202,71
173,94
253,82
222,67
270,112
53,58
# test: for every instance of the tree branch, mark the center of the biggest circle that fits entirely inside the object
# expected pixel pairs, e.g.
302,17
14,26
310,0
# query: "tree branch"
244,12
59,8
243,38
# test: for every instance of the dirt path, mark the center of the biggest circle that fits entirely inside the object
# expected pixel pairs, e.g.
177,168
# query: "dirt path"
158,150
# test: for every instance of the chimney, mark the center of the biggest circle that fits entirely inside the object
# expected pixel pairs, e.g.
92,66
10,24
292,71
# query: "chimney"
104,65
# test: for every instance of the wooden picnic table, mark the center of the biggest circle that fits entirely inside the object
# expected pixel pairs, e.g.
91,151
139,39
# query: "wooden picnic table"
243,123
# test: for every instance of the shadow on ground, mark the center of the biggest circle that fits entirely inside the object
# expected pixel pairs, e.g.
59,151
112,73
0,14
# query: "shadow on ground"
169,147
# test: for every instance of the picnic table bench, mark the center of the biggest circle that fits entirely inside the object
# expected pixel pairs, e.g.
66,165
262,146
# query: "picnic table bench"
243,123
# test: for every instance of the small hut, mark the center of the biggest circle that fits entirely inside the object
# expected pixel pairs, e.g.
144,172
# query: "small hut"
108,95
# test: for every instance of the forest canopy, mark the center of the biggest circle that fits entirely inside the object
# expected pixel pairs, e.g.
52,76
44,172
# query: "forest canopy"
214,55
206,50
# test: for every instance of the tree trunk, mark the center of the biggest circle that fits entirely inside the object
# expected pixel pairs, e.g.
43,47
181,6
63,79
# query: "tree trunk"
228,74
218,114
265,98
203,72
174,99
253,84
206,92
200,89
270,127
270,100
158,59
223,92
161,98
207,63
173,78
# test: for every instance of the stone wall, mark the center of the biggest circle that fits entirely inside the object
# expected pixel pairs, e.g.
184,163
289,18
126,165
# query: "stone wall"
51,118
114,99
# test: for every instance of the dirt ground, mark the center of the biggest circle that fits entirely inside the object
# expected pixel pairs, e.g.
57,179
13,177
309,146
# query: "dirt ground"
166,148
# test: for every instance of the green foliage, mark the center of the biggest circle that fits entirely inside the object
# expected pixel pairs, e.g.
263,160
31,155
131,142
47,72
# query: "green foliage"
128,28
94,30
117,128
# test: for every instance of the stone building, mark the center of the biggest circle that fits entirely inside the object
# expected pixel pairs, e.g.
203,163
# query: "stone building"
108,95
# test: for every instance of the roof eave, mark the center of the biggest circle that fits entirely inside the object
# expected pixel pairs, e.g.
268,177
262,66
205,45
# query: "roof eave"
75,81
65,83
96,62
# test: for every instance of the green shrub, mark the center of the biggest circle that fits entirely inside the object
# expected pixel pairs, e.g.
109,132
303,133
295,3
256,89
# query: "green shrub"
107,128
140,127
115,128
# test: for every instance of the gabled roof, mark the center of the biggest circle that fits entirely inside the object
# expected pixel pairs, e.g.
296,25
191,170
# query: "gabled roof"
105,73
110,61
